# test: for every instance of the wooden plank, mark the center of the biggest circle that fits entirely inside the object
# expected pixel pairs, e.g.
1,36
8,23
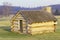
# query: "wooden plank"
19,18
13,18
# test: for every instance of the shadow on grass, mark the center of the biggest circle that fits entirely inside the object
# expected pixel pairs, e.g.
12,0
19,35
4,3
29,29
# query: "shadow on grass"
6,28
6,33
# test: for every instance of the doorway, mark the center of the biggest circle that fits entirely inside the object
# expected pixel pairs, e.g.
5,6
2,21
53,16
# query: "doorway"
21,26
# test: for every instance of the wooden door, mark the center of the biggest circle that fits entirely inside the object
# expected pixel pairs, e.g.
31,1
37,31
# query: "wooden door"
21,26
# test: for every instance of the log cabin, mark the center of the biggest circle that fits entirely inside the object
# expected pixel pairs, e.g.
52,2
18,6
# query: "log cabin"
33,22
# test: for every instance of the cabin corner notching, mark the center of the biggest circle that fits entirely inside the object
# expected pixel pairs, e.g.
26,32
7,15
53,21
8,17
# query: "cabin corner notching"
33,22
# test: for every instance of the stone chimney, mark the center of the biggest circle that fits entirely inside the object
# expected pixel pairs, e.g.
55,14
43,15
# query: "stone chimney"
48,9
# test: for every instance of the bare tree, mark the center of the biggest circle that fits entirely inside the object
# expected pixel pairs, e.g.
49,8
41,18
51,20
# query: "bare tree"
6,8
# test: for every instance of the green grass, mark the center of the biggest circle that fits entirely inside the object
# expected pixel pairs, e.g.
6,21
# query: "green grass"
6,34
4,21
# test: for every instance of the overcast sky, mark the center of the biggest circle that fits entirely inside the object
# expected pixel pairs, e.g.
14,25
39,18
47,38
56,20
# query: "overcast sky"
31,3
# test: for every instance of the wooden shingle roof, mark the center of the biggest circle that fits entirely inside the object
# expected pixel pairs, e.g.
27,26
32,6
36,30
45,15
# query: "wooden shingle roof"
37,16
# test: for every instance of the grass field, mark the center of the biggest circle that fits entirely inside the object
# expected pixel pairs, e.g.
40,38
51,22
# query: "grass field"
6,34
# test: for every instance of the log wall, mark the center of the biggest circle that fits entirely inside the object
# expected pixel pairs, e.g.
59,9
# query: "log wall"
15,26
38,28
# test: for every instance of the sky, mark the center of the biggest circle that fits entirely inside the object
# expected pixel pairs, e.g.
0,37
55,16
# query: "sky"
30,3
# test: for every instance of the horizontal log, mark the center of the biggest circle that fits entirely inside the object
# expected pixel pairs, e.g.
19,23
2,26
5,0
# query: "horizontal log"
41,24
42,28
29,31
24,32
12,26
24,26
40,32
19,17
12,30
15,24
15,20
33,33
24,22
